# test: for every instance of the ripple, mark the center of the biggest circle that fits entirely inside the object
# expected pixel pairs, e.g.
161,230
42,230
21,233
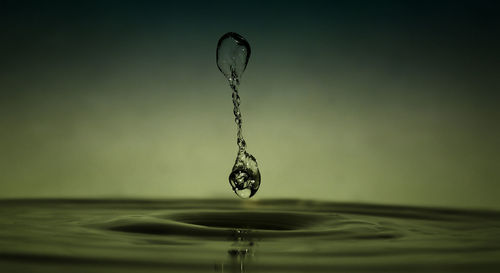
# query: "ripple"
251,225
285,235
251,220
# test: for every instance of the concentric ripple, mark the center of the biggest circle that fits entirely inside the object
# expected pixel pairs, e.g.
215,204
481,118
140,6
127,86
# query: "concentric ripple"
233,236
251,224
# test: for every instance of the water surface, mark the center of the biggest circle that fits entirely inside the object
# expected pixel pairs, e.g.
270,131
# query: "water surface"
243,236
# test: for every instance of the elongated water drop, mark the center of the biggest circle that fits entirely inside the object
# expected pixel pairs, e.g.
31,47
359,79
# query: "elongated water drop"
233,53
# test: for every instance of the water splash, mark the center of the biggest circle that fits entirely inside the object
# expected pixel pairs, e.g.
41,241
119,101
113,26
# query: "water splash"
233,53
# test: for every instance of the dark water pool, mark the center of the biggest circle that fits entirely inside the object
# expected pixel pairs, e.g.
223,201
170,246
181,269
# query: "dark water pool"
243,236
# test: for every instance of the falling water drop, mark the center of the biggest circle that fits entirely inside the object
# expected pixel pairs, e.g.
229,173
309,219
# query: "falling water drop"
233,53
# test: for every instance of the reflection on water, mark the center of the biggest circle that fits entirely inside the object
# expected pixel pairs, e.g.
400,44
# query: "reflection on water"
239,256
243,236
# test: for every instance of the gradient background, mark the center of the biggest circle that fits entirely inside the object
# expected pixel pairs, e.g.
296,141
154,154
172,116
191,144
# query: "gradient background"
386,102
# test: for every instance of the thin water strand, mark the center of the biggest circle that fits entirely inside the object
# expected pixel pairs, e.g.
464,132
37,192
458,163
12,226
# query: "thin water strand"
237,117
233,53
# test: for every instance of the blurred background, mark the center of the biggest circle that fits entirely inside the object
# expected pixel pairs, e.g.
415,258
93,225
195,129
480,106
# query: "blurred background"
387,102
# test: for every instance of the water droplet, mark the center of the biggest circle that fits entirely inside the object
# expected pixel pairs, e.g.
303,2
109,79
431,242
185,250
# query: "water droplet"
245,176
233,53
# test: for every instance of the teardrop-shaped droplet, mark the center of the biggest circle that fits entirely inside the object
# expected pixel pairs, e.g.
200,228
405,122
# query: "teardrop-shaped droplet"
245,176
233,53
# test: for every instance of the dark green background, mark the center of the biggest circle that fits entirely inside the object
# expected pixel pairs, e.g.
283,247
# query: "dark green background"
385,102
